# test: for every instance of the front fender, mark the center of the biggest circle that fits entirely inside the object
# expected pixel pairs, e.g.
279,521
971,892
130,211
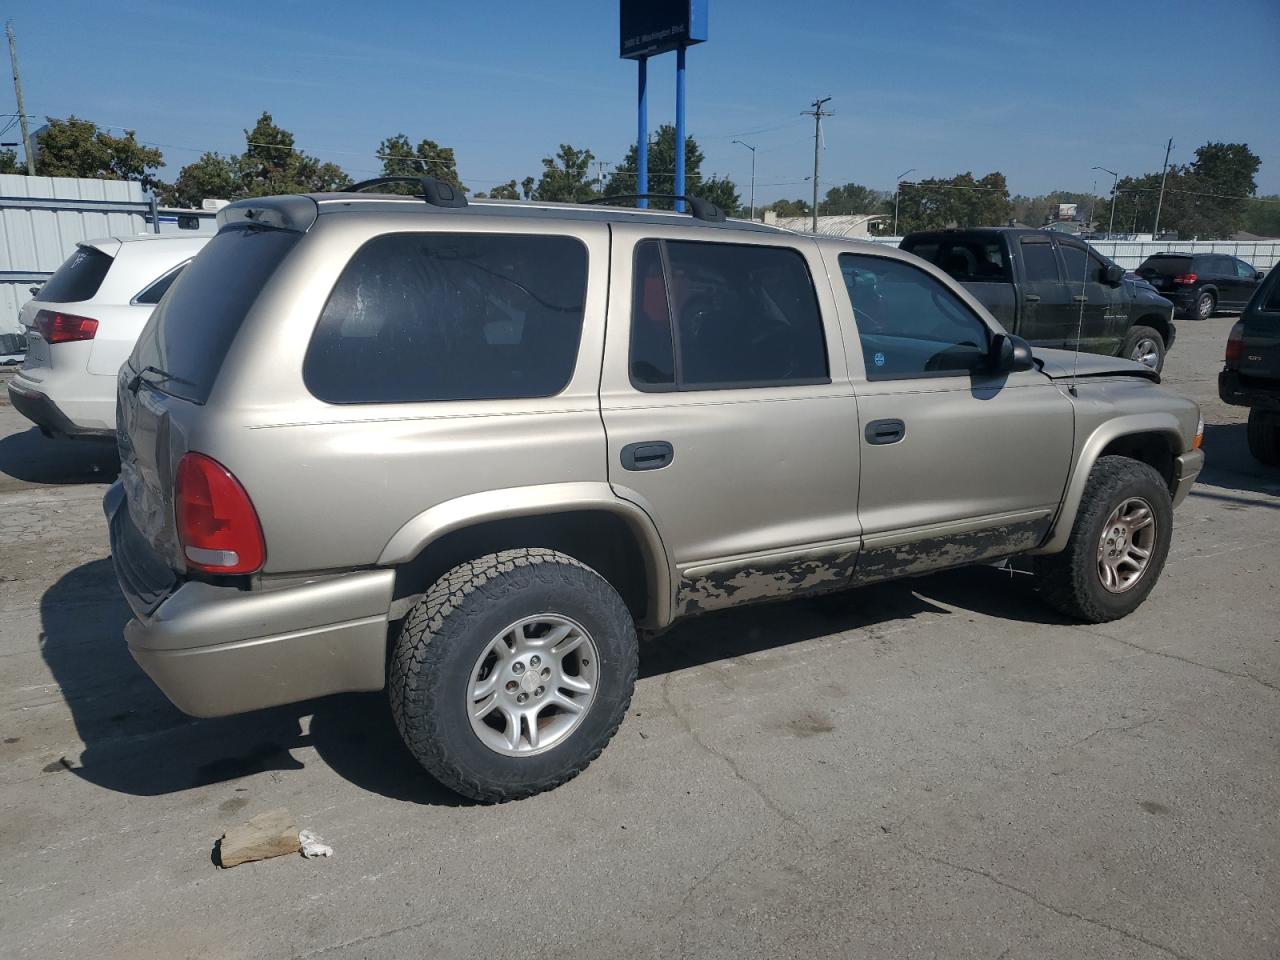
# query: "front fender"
513,502
1097,441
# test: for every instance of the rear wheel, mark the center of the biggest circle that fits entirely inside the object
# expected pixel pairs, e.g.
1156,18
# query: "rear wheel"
1146,346
1264,436
1206,303
1118,544
513,673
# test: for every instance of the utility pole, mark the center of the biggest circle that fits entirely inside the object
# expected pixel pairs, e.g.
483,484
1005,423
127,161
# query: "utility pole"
752,214
817,113
1164,171
897,190
22,110
1111,227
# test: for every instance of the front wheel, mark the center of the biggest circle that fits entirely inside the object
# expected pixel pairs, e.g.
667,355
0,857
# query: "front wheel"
1264,437
513,673
1146,346
1118,544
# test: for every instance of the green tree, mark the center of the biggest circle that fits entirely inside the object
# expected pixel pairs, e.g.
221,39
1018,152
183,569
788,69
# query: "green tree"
271,164
790,208
853,198
212,176
77,148
662,173
566,177
400,158
1262,216
962,201
9,162
504,191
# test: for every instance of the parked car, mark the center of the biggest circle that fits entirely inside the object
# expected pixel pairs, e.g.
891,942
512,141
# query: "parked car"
1250,376
466,450
1053,290
82,325
1203,283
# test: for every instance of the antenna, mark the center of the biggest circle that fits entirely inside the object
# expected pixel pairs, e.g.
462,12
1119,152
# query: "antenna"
1075,361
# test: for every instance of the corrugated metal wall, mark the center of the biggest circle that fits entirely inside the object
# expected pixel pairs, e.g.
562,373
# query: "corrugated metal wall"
36,235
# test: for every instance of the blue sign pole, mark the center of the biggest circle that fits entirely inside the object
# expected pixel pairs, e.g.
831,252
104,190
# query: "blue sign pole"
642,132
680,125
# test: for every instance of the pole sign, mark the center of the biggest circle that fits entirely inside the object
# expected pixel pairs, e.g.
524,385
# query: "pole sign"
651,27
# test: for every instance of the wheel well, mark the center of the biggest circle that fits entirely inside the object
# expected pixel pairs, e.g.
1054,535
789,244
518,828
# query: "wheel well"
601,540
1154,449
1157,323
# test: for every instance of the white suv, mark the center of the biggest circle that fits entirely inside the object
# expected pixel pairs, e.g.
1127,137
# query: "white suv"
82,325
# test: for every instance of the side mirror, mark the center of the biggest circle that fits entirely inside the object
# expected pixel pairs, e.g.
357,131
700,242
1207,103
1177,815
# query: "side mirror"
1112,274
1010,354
1260,275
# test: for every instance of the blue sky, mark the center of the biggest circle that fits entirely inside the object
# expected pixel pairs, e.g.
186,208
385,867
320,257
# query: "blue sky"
1039,91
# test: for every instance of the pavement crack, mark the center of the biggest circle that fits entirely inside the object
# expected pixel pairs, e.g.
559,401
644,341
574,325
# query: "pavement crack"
1126,729
368,938
1041,902
1195,663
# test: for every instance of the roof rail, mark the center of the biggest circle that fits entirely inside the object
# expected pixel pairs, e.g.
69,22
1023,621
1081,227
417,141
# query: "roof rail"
435,191
701,209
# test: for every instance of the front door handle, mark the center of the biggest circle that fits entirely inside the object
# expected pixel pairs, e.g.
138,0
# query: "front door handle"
647,455
1032,298
885,431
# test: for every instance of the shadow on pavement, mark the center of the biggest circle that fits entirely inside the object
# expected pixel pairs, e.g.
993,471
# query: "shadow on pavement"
31,457
137,743
1228,463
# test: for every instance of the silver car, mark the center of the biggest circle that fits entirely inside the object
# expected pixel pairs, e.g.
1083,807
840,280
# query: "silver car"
467,451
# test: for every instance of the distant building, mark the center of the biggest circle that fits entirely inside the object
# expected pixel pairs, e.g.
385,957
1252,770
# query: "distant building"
850,225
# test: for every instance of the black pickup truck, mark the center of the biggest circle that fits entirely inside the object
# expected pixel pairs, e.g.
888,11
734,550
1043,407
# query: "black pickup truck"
1035,282
1251,375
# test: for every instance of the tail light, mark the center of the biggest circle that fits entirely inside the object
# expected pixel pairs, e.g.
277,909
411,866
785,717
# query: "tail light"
1235,346
217,525
1186,279
57,327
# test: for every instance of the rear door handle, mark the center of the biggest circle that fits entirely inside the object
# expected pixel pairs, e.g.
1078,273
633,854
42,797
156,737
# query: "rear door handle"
1080,299
647,455
1032,298
885,431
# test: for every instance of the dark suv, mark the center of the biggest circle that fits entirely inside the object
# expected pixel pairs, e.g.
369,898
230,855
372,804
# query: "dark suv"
1202,283
1251,374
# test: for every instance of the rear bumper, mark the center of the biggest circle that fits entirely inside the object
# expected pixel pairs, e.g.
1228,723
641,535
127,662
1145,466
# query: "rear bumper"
218,650
1186,469
41,410
1234,389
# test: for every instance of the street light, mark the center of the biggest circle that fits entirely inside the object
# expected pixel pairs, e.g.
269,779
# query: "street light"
752,215
1114,183
896,192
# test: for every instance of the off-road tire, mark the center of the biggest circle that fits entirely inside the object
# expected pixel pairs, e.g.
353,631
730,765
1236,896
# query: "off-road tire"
1139,333
1069,581
1206,303
1264,437
446,631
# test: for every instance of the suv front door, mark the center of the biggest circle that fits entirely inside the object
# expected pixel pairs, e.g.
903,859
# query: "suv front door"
1104,320
728,411
959,464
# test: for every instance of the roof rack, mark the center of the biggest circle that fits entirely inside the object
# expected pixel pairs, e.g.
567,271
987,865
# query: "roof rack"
435,191
701,209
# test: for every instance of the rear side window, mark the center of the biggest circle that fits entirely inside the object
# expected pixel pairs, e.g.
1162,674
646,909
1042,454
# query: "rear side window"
1164,266
714,316
970,260
78,278
189,334
155,291
421,317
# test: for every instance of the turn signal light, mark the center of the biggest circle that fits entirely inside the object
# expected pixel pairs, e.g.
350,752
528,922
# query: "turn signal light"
1235,346
217,524
57,327
1185,278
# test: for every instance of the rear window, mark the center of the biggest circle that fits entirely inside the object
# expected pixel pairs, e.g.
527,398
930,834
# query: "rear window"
1164,266
191,330
78,279
968,259
437,316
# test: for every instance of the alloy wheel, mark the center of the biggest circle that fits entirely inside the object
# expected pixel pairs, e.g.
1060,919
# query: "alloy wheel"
1128,540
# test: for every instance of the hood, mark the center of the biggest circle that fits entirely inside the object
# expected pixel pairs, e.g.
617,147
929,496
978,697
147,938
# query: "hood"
1063,364
1146,293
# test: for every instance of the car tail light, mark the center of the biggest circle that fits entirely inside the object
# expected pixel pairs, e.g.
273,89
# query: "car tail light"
57,327
217,525
1186,279
1235,346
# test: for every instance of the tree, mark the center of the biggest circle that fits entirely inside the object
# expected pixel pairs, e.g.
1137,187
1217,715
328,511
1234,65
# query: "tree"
1263,216
428,159
961,201
566,177
504,191
9,162
853,198
790,208
662,173
1035,211
271,164
77,148
213,175
1201,199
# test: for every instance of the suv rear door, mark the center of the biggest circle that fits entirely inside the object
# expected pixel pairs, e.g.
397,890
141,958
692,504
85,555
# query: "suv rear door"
728,411
1243,280
1047,317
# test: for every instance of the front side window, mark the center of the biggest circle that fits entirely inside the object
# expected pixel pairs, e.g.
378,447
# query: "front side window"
437,316
910,325
1244,271
1038,261
1075,261
713,316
